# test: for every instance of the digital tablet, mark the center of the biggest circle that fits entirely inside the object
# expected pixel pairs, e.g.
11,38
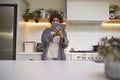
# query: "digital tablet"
58,26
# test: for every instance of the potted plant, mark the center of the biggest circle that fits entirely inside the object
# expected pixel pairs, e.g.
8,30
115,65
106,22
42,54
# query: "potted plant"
110,49
37,15
61,13
28,15
32,15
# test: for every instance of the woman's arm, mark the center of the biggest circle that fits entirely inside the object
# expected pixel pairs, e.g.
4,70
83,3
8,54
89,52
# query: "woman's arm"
46,36
63,37
64,41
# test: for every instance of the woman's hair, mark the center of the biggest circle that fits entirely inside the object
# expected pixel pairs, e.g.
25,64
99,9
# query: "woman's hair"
56,15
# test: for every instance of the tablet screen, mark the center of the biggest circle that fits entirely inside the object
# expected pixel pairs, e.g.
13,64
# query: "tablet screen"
58,26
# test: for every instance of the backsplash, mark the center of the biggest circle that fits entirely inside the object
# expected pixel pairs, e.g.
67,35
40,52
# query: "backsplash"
81,36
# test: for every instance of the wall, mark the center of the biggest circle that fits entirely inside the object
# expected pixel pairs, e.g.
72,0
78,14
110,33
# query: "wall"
21,27
81,36
88,10
48,4
9,1
34,31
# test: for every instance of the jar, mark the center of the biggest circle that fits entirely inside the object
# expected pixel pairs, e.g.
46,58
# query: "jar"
72,49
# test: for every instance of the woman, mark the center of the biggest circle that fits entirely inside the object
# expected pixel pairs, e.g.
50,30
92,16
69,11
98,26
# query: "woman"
54,42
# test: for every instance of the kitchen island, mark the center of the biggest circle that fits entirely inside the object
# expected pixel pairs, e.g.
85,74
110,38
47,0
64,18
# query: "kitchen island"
51,70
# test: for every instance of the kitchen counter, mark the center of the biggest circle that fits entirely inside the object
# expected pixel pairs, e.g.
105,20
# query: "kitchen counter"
51,70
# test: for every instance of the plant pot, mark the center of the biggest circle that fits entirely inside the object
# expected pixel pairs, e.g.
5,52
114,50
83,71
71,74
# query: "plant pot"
26,19
36,20
112,69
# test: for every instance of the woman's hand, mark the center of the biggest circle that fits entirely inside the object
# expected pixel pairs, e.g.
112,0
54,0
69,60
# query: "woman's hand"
60,33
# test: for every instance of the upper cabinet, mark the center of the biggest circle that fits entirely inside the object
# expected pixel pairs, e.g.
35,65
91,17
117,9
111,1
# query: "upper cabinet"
88,10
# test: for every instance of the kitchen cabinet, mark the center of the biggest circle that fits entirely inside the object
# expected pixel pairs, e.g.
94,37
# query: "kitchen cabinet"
28,56
35,56
80,56
88,10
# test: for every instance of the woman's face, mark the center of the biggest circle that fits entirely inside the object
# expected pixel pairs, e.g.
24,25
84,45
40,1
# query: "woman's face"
55,20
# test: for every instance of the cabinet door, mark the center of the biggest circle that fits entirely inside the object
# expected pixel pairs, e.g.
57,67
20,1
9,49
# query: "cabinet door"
78,57
88,10
68,56
28,57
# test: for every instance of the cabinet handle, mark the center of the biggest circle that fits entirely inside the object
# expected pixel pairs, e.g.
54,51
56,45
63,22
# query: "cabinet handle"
31,59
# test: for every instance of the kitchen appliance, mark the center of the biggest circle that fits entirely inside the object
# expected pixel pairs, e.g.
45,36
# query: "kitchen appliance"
95,47
8,24
39,47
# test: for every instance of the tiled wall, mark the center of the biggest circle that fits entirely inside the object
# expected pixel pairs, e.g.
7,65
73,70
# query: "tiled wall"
81,36
34,31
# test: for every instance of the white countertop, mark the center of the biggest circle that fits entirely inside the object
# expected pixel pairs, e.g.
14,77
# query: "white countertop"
51,70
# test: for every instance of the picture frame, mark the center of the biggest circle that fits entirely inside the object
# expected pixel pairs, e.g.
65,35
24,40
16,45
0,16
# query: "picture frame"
29,46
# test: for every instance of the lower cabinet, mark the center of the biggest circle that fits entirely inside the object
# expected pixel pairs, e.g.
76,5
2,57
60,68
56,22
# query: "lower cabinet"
86,57
35,56
29,56
78,57
69,56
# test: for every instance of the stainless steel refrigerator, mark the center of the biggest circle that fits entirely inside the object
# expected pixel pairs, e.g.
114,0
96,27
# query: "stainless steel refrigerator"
8,26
